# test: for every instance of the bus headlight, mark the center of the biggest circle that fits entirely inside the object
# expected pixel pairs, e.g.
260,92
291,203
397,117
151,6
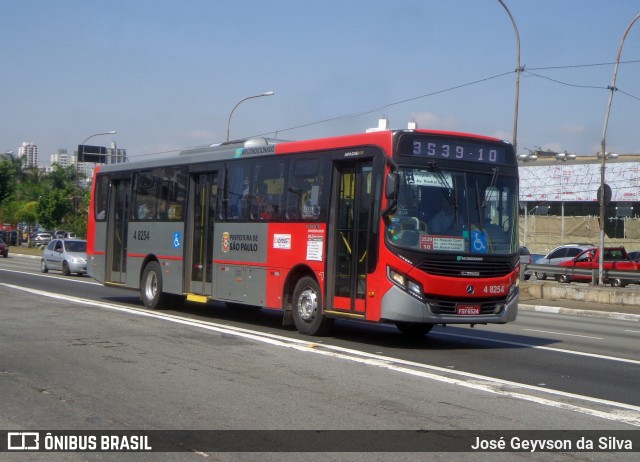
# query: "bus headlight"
411,287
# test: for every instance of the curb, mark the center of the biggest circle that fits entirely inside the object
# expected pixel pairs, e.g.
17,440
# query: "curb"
573,311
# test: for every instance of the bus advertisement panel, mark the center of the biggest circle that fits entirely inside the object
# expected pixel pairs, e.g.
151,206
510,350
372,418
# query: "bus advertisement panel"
412,227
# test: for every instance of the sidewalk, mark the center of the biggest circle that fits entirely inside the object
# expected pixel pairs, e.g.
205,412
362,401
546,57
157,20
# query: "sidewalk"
580,299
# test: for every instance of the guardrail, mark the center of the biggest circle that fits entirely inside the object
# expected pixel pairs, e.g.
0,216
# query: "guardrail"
553,270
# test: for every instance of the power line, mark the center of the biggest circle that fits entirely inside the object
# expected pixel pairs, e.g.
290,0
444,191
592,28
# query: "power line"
380,108
572,66
526,71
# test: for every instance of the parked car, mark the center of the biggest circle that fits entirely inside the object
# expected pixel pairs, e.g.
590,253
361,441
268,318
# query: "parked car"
525,259
4,249
558,255
9,237
615,258
66,255
634,256
40,238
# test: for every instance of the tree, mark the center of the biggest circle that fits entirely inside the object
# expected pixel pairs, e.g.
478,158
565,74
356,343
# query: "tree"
10,175
27,214
53,208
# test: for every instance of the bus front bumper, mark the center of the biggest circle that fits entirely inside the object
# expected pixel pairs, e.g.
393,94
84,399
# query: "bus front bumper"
398,305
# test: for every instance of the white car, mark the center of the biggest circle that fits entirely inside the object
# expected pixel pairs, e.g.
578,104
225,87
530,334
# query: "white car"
559,254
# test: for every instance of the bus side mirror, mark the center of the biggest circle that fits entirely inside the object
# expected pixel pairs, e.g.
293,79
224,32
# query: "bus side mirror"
391,187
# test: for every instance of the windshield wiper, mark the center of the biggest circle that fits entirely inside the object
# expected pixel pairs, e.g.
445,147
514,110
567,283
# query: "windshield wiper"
446,189
492,184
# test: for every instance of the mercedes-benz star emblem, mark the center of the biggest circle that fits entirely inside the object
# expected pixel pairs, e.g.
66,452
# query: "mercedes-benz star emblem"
470,289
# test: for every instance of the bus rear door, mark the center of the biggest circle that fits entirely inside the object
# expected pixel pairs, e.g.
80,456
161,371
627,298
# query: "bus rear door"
117,225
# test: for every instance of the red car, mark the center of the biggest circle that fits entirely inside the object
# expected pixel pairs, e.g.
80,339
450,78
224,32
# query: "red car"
4,248
615,258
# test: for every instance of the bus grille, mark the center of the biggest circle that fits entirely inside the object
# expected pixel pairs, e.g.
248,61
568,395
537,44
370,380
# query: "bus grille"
440,305
465,269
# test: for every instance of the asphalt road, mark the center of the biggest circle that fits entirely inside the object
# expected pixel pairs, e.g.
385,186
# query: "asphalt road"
77,355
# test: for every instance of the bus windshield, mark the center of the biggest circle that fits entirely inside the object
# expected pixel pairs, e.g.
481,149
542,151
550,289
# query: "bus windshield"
455,211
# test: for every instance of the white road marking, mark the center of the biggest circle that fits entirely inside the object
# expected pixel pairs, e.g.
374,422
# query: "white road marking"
563,333
538,347
615,411
56,276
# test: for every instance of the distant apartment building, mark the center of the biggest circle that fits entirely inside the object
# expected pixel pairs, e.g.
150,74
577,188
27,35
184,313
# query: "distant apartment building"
62,158
115,155
28,153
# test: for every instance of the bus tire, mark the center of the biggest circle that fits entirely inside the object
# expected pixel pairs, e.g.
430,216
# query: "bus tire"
151,286
414,329
307,308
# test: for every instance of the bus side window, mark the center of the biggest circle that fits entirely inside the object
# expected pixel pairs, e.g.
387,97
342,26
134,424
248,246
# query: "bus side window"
268,190
144,197
306,198
237,191
172,193
101,198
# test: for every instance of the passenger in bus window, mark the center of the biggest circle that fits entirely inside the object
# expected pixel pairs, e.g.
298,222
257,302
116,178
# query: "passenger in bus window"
145,210
443,222
262,207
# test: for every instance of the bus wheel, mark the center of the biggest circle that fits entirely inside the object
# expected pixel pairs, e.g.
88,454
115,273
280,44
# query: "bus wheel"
307,307
414,329
151,286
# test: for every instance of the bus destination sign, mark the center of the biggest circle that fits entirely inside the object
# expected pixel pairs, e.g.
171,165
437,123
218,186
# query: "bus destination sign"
454,149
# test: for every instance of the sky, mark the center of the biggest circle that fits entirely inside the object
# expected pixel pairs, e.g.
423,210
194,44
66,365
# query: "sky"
166,74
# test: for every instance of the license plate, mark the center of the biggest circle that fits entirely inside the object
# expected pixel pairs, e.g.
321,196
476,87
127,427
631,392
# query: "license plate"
468,310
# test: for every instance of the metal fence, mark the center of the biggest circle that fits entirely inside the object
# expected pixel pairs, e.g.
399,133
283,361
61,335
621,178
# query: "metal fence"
553,270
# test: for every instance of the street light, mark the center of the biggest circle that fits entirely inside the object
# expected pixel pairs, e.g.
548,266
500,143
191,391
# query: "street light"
266,93
604,156
518,71
112,132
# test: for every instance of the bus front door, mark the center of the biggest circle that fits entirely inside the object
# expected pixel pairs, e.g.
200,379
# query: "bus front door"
349,239
204,193
117,220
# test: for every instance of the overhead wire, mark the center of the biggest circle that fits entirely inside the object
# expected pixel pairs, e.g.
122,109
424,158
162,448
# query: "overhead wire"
525,70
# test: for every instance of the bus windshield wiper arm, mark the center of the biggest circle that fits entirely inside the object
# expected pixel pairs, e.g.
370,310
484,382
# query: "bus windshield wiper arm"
447,189
492,184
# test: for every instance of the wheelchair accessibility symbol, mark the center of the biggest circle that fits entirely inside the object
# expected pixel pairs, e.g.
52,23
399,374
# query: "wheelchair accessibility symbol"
177,240
478,242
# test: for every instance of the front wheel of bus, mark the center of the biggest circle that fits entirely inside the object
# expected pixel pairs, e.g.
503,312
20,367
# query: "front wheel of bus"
151,286
307,308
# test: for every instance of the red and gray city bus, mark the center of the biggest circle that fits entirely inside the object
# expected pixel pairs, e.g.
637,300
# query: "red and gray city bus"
411,227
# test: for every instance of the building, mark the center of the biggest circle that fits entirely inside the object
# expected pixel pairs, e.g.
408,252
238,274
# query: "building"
62,158
115,155
559,200
28,153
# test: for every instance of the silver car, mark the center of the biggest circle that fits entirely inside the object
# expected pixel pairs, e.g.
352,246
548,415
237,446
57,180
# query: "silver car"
66,255
558,255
